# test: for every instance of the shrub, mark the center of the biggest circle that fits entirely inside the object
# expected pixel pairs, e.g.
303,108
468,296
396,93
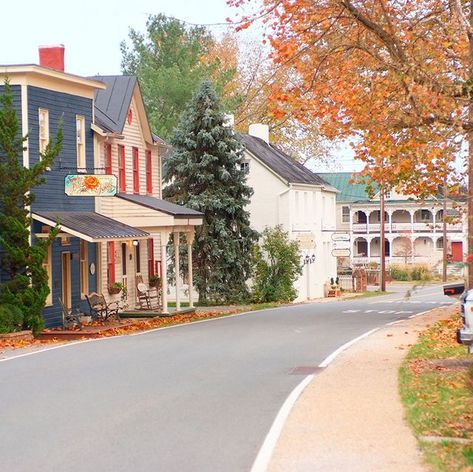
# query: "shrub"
398,272
11,318
420,272
276,263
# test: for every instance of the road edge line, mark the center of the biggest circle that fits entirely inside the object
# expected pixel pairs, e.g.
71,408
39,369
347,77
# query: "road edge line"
266,451
345,346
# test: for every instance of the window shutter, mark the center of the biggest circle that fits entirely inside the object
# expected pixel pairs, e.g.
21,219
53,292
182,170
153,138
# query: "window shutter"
136,171
149,173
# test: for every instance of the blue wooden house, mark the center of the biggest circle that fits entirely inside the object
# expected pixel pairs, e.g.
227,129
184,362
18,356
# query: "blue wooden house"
45,95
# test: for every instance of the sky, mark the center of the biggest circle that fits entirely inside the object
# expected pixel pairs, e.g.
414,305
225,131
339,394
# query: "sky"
91,31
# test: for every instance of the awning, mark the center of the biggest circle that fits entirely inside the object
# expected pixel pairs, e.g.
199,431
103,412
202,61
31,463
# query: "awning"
90,226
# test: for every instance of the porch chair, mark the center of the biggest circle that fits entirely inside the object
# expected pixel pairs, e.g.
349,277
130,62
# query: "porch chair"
148,297
70,316
99,308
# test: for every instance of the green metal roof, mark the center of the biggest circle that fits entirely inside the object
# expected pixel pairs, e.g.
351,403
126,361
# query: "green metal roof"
349,191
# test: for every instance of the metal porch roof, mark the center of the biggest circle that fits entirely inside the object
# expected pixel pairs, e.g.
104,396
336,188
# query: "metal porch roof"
89,225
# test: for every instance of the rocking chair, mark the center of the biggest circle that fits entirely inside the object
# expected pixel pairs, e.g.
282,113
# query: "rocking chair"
101,310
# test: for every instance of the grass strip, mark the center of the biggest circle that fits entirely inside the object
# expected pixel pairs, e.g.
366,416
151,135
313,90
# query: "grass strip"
435,388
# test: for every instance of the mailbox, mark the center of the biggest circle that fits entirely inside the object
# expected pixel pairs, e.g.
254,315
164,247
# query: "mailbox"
465,334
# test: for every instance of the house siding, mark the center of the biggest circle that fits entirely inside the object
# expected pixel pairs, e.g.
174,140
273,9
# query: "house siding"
65,107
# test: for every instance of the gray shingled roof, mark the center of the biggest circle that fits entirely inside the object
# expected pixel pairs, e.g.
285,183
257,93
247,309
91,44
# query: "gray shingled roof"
92,224
111,104
282,164
161,205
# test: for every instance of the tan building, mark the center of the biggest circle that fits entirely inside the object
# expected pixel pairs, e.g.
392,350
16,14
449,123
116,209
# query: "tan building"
125,146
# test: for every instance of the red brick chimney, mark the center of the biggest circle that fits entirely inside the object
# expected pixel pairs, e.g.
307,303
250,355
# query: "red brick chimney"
52,56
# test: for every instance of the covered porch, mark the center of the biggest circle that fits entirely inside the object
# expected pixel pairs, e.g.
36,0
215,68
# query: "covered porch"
160,220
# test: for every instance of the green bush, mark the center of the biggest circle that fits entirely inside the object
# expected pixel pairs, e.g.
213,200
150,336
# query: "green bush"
399,272
276,266
420,272
410,272
11,318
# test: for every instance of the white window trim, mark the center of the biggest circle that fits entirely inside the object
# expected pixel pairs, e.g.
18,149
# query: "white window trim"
80,143
347,220
43,126
47,265
84,264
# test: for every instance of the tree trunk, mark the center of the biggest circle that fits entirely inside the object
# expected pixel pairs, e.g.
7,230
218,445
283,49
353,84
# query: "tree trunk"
469,284
382,281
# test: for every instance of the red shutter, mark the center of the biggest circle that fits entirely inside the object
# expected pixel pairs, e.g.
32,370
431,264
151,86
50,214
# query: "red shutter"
121,168
108,159
111,263
149,173
136,171
150,257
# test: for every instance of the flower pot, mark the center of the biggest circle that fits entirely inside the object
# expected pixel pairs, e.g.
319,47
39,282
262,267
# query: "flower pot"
114,290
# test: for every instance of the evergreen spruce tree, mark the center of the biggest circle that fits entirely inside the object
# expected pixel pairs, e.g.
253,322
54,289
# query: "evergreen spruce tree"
203,172
26,284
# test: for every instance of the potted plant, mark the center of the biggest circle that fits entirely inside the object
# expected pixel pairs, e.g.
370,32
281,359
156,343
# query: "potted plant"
154,281
115,288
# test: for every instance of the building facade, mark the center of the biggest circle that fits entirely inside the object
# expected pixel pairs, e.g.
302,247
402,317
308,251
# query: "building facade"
120,236
414,230
288,194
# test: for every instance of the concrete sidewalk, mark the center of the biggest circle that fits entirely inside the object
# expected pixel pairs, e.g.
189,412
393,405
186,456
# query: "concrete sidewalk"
350,417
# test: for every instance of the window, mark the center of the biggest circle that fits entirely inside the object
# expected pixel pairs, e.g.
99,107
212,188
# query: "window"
43,130
425,215
150,257
245,167
149,173
80,137
84,277
47,266
108,159
136,171
121,168
111,263
345,214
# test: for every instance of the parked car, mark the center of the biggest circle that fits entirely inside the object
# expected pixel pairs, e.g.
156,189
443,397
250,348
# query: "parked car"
465,334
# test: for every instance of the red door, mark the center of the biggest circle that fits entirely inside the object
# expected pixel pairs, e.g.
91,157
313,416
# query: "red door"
457,251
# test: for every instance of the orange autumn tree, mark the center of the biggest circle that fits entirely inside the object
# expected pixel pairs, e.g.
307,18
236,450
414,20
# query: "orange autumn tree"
395,76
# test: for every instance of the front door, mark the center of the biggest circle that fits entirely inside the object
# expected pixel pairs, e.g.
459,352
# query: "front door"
457,251
66,279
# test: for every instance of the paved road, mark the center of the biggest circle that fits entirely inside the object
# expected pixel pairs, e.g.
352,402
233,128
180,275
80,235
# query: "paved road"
199,397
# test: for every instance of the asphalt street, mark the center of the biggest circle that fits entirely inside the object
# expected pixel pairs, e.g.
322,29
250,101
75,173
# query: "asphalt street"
197,397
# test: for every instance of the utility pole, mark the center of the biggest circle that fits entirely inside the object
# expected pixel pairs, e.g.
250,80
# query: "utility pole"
444,222
382,274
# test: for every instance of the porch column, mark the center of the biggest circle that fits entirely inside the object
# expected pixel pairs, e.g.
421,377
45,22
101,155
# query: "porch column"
177,263
368,248
164,269
190,240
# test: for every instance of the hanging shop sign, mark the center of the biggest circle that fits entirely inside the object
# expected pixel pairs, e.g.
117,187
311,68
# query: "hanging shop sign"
86,185
341,252
340,237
